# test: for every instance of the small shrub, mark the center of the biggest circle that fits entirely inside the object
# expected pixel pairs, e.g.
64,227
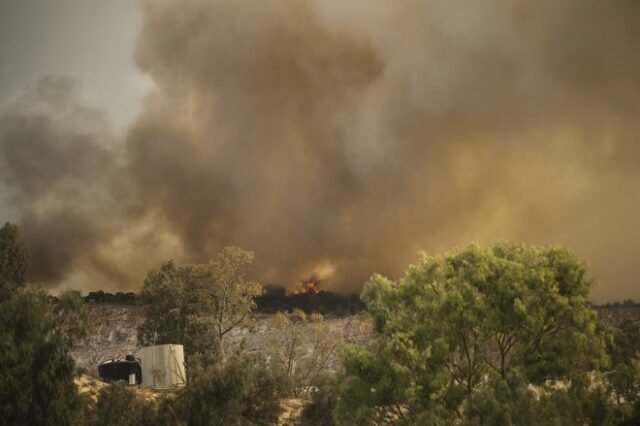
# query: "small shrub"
117,405
239,394
319,412
301,351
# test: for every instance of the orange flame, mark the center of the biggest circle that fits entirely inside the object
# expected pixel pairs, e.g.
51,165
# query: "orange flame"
309,286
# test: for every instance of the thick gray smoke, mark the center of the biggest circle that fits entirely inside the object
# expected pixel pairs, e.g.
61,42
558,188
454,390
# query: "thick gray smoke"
339,138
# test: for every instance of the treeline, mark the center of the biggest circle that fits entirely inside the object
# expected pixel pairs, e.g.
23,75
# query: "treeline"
273,299
276,299
118,298
627,303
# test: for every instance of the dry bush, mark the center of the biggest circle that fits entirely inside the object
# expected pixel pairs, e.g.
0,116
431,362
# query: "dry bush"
301,351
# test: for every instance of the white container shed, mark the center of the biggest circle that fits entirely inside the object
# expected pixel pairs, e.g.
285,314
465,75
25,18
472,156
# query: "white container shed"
162,366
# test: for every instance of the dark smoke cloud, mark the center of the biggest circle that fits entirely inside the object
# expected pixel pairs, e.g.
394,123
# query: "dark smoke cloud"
61,168
56,161
339,138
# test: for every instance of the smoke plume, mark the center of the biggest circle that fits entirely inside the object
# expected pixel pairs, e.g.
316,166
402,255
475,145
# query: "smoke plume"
336,139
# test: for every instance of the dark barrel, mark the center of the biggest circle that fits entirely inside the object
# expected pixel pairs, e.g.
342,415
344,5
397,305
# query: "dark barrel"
114,370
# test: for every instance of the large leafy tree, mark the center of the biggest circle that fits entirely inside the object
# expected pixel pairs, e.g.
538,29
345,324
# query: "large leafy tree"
198,305
175,313
37,334
227,292
36,337
458,324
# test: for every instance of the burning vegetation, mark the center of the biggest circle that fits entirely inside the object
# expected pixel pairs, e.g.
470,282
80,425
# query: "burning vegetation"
309,286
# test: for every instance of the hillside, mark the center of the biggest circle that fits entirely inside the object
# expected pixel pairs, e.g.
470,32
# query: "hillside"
113,330
113,333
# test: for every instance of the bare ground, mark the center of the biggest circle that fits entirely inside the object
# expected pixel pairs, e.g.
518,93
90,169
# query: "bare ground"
114,327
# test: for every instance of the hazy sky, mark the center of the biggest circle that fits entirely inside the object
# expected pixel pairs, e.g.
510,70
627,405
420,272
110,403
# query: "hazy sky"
334,138
90,40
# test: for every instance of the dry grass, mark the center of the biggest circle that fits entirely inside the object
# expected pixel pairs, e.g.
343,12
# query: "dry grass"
91,387
292,412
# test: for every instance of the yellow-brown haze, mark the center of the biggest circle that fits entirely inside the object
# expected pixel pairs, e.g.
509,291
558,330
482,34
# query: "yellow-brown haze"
339,138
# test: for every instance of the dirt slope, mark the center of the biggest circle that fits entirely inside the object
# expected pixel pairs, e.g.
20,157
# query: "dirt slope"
114,328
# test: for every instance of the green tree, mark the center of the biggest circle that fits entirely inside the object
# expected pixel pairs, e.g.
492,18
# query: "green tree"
319,411
456,323
14,258
175,313
118,405
37,381
198,305
238,393
513,401
229,295
624,374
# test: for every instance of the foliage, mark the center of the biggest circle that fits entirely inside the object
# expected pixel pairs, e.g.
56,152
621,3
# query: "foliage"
14,258
274,299
227,293
510,401
624,374
319,412
455,323
239,393
197,305
513,401
118,298
36,384
174,313
301,350
117,405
